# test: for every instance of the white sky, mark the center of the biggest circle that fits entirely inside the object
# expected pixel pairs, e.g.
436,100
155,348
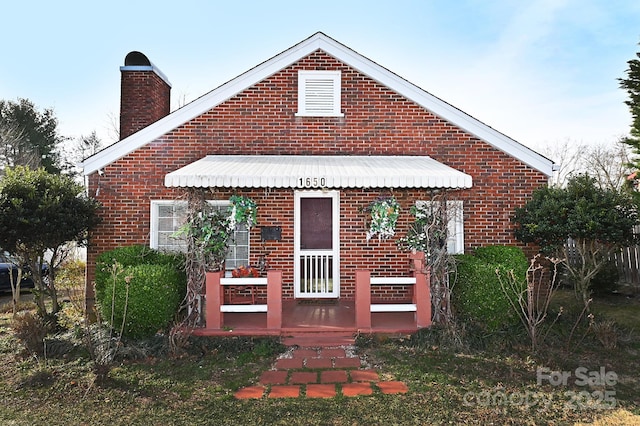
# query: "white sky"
541,72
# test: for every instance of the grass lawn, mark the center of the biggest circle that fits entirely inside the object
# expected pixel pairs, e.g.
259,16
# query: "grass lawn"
487,380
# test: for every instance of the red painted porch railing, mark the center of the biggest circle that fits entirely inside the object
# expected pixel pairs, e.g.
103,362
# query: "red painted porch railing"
215,307
421,303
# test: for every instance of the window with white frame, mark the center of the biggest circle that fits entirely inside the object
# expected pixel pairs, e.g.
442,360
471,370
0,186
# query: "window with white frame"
167,216
319,94
455,225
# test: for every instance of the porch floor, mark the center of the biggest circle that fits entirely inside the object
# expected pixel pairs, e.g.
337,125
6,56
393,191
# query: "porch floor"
328,318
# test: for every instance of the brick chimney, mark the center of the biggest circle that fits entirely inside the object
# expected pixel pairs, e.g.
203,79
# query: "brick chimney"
145,94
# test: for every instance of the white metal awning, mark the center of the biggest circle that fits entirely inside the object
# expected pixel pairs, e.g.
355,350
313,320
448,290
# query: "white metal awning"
317,171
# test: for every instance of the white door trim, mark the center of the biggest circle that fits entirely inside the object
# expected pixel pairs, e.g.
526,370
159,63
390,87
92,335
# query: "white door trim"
334,252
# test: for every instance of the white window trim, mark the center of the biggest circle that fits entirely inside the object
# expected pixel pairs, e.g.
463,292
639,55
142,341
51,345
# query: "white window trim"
455,225
155,204
304,77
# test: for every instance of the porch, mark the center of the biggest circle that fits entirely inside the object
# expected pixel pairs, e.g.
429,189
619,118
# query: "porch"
337,317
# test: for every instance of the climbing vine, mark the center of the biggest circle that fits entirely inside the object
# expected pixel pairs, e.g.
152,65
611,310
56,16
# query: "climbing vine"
429,233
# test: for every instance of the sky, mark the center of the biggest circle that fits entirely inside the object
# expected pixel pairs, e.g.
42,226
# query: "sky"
543,72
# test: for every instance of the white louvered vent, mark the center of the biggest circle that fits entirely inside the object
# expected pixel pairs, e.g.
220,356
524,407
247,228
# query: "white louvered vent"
319,93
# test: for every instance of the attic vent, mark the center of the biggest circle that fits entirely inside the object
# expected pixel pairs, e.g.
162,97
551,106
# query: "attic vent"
319,94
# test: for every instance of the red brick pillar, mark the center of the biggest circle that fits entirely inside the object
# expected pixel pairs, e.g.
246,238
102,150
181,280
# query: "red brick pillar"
214,299
363,300
274,300
422,292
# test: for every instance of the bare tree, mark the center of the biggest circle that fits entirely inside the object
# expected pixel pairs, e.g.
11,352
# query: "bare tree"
568,155
609,164
113,129
533,301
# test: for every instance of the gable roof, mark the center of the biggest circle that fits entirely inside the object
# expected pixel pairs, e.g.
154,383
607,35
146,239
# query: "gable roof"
292,55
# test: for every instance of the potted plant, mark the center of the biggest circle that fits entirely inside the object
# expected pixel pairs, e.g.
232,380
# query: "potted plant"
245,272
384,216
243,210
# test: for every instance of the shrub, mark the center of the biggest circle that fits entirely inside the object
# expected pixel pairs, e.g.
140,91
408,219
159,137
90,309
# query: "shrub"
132,256
505,258
31,330
606,280
70,275
71,316
477,296
607,333
149,284
70,281
146,297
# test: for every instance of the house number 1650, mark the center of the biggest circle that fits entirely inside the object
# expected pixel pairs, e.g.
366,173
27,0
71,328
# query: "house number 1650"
312,182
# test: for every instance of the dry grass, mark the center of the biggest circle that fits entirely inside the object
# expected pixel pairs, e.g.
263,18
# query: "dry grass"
617,417
448,382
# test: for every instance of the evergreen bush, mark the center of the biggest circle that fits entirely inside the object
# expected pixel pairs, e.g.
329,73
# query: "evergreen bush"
477,296
132,256
606,280
149,286
146,297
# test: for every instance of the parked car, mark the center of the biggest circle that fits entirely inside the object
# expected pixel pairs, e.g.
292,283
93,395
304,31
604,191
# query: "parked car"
7,264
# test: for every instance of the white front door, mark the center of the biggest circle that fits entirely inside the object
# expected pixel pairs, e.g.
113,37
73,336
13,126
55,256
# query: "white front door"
317,244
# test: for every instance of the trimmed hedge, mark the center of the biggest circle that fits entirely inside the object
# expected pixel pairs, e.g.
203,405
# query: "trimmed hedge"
477,295
156,285
131,256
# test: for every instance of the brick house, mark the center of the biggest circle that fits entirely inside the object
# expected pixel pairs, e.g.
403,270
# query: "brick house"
313,135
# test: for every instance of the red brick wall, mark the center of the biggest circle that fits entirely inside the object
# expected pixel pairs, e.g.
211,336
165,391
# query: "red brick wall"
145,98
261,120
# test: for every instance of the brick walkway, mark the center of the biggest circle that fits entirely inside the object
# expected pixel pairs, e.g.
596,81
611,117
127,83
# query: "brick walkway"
319,372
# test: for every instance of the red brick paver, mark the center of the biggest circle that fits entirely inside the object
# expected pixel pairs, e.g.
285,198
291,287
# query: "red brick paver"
289,363
319,363
273,377
250,392
364,376
392,388
333,376
333,353
320,373
355,389
347,362
303,377
284,392
305,353
321,391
